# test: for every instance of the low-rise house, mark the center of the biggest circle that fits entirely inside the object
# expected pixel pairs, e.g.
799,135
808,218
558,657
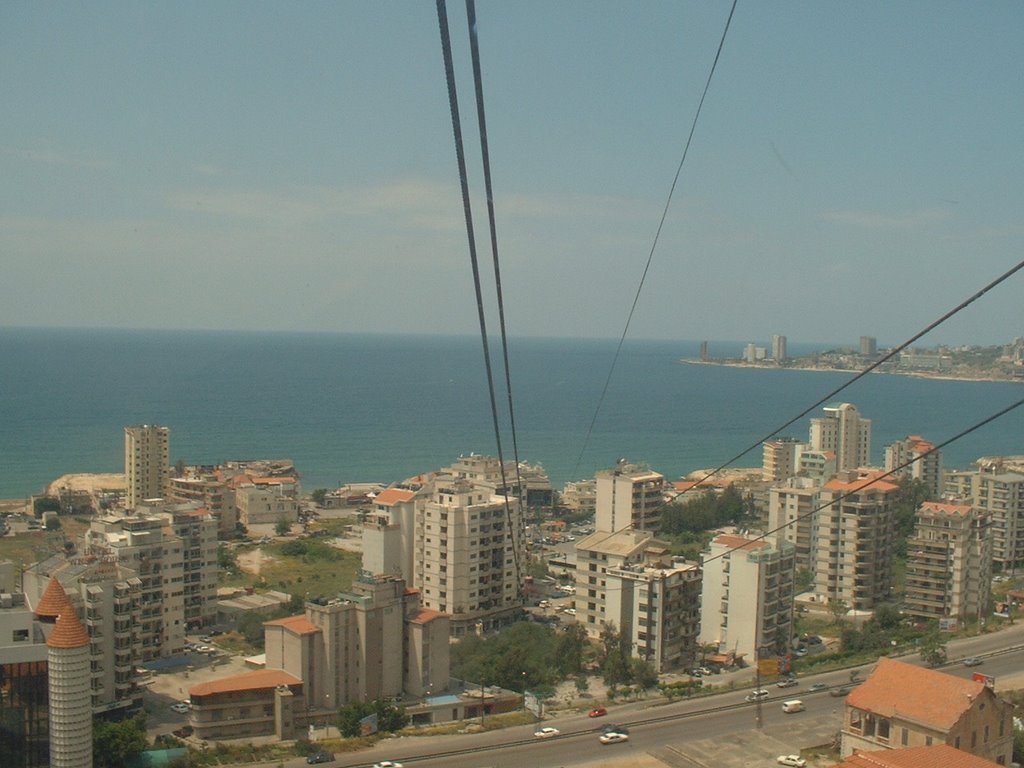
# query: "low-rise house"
901,705
937,756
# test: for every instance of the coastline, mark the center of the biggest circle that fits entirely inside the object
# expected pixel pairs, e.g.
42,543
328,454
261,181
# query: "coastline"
854,371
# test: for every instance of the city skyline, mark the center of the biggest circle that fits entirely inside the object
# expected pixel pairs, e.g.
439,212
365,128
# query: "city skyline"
228,166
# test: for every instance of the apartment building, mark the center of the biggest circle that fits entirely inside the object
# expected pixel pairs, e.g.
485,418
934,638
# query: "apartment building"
629,580
949,563
467,546
790,514
747,595
107,597
1000,494
922,461
388,534
903,705
147,468
845,432
781,457
265,500
852,540
197,529
629,495
779,348
376,642
211,492
580,496
818,465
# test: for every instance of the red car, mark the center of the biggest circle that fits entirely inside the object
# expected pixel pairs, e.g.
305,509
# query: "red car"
598,712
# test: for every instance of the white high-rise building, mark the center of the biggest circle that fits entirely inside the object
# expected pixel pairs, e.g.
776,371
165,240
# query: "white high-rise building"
843,431
629,496
467,545
147,467
747,598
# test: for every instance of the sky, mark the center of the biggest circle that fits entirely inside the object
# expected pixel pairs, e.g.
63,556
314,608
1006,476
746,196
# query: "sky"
856,168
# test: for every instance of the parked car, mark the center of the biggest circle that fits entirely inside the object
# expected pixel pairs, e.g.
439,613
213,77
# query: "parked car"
184,732
613,737
546,732
757,694
789,682
598,712
320,757
794,761
181,709
972,661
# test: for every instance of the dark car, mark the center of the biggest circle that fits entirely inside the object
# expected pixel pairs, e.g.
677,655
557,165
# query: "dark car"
613,728
320,757
839,692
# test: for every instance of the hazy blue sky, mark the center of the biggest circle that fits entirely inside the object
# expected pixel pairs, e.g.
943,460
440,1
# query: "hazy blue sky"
857,169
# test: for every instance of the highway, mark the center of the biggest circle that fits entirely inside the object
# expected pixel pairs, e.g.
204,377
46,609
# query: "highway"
657,727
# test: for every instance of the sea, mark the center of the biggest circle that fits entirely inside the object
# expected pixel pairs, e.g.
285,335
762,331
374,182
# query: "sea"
379,408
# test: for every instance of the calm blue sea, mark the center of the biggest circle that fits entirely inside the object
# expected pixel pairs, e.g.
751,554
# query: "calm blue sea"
350,408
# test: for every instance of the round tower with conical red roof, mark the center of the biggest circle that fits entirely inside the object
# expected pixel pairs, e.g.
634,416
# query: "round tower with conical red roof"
69,681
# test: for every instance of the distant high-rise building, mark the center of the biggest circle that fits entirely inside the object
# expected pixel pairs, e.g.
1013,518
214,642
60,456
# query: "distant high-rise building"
781,457
146,462
629,495
846,433
778,348
868,346
703,350
922,461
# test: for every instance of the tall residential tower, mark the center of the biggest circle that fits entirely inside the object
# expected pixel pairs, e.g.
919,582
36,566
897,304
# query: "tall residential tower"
146,462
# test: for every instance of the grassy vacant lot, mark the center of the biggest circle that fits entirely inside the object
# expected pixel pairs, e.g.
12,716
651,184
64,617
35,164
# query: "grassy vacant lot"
31,547
306,567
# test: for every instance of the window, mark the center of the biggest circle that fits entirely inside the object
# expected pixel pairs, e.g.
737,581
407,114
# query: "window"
904,736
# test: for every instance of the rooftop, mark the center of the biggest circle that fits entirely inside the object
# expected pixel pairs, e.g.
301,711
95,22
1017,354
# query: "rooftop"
937,756
247,681
899,690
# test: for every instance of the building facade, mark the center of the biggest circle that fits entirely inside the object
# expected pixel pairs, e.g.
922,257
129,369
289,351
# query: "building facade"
467,546
147,468
1000,494
629,496
781,458
791,515
747,597
949,563
903,705
922,462
852,540
845,432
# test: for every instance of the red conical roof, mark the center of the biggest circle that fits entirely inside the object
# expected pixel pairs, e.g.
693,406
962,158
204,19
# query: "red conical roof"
51,604
69,632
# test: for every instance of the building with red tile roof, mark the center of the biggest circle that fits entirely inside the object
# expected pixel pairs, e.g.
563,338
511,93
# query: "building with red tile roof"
902,705
919,461
936,756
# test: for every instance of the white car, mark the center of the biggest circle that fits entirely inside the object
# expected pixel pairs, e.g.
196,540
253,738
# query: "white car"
387,764
794,761
181,709
546,733
613,738
757,695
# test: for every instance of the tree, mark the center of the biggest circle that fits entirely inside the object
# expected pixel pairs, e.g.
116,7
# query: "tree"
933,649
318,496
644,674
226,558
389,717
179,468
282,527
837,607
45,504
53,524
114,743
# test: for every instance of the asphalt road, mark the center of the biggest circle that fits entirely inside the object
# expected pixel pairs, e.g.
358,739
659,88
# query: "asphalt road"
665,734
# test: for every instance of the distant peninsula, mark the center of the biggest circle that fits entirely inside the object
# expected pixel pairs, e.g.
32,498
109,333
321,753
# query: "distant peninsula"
1003,362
